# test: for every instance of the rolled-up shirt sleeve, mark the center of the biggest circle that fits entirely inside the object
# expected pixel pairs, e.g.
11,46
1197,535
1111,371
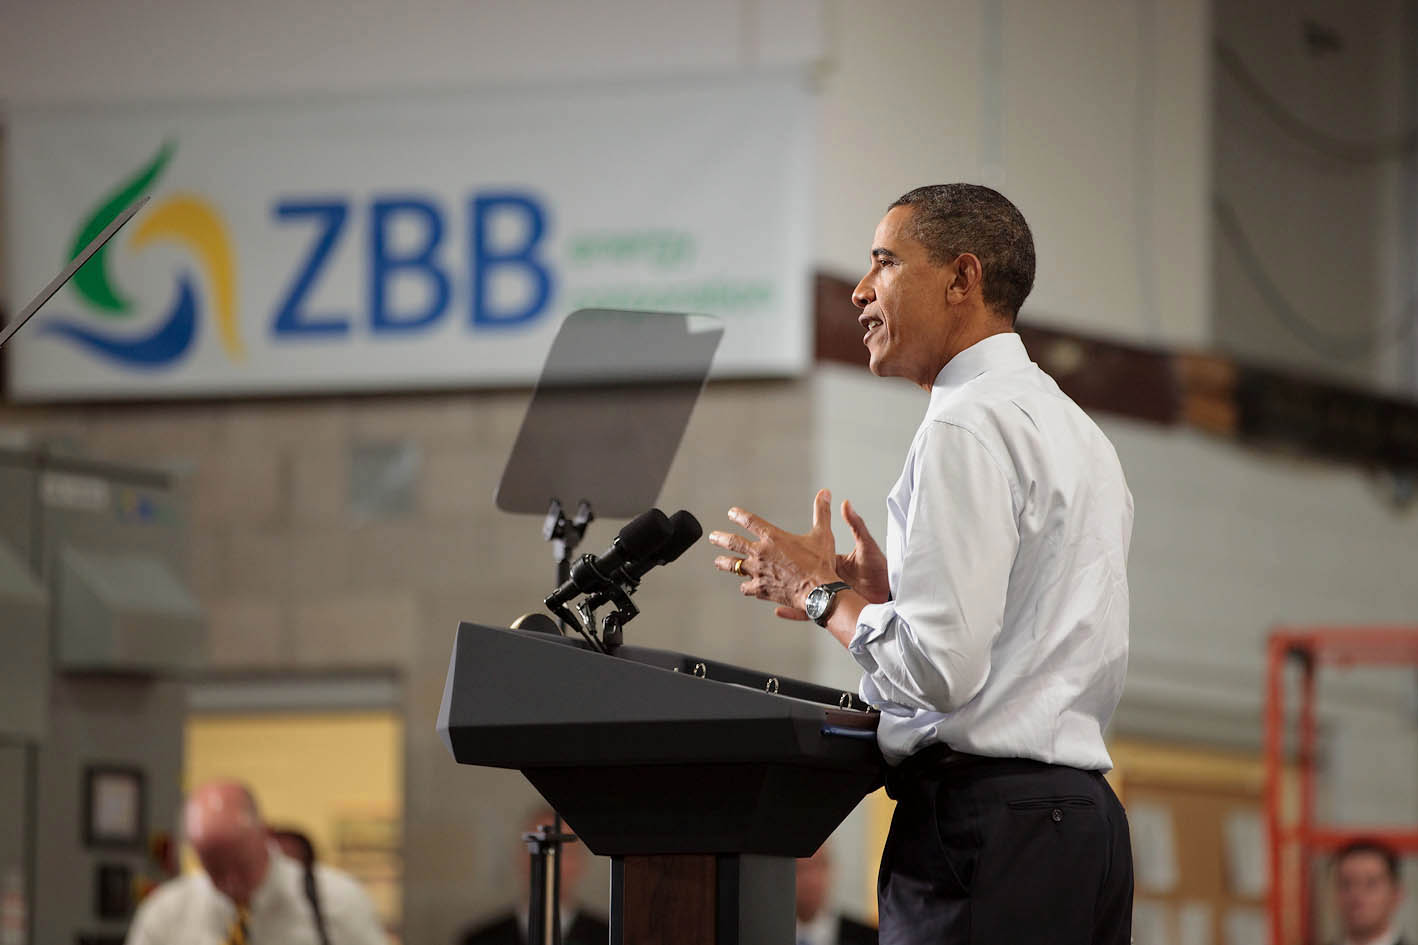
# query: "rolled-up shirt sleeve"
928,648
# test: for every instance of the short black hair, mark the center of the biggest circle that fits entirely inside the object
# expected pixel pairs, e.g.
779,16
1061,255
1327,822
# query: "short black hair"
1368,845
950,219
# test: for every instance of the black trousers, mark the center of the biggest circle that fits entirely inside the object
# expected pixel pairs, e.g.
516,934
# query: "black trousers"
1003,851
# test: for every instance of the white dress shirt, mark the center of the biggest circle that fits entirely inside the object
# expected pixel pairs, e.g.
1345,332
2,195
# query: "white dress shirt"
821,930
1006,548
189,910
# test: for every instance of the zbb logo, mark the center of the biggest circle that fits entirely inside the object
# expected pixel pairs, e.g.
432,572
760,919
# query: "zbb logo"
500,279
182,218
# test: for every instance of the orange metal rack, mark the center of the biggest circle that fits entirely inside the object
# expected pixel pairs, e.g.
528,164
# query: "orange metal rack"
1311,648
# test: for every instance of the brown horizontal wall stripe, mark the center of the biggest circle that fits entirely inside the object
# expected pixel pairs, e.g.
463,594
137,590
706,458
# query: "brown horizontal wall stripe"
1099,375
1204,390
838,337
1103,375
1326,420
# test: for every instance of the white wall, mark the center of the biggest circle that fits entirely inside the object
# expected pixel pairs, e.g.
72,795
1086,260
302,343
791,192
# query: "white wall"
91,51
1333,235
1228,543
1092,116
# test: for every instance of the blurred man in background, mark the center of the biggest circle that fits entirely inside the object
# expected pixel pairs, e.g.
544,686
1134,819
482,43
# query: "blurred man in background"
1368,893
578,927
818,923
248,890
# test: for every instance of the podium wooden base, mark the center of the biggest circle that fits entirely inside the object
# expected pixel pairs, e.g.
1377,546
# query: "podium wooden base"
702,899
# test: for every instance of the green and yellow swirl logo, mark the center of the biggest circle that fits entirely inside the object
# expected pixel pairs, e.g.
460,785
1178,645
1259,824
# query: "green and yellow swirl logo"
185,219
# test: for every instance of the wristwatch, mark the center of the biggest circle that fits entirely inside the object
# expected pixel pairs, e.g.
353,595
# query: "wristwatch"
819,601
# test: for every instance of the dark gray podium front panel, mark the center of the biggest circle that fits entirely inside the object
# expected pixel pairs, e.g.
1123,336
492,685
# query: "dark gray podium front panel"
641,759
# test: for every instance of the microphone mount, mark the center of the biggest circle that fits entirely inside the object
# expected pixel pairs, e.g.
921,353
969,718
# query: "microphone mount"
611,627
612,591
614,587
649,541
565,535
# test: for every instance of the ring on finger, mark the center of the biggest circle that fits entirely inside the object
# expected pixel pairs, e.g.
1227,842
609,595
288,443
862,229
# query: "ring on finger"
738,566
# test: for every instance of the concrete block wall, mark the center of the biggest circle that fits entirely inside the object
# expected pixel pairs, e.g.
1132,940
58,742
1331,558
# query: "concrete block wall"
1227,543
293,583
1286,194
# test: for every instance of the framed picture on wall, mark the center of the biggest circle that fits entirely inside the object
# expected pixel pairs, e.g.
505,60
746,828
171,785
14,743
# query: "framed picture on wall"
113,806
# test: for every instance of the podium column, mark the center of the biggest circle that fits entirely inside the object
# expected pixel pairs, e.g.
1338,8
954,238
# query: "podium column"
702,899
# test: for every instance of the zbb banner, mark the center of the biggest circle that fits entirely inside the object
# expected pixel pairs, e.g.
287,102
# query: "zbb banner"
402,243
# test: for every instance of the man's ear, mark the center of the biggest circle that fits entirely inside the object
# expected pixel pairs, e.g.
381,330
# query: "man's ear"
966,273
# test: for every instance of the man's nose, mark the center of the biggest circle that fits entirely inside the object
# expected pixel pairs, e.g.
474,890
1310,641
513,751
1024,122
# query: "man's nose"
863,294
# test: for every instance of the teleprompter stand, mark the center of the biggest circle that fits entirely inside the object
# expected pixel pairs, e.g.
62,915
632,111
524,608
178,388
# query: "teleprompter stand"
701,780
610,408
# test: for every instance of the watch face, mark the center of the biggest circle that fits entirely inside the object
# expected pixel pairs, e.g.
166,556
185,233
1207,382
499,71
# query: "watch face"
816,602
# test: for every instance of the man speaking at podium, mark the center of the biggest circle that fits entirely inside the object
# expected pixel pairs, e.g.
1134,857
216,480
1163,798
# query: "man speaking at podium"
992,633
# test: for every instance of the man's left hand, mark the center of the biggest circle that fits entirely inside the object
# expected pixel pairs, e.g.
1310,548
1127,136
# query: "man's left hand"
776,565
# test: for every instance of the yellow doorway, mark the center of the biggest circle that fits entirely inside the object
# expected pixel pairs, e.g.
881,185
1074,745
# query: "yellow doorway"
335,776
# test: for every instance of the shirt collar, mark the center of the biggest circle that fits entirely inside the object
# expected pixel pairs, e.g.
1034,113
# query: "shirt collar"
276,880
267,893
1003,350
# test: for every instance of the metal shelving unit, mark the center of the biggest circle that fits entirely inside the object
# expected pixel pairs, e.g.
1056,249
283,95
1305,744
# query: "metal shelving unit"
1294,844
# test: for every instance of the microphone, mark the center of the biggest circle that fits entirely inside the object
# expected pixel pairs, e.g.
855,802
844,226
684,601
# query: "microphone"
686,531
646,534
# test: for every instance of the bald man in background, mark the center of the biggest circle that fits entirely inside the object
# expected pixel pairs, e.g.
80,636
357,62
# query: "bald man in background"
248,890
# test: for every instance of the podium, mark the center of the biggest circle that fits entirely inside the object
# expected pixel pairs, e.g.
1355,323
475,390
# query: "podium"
701,780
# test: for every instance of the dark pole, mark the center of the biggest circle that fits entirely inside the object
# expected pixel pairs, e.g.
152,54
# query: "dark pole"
556,880
537,888
564,534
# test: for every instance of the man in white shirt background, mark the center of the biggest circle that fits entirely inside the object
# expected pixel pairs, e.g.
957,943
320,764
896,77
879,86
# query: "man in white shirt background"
579,926
992,629
1368,892
819,921
248,891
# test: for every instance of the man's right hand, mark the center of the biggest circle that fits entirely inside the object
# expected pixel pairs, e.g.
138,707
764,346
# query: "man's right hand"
864,567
